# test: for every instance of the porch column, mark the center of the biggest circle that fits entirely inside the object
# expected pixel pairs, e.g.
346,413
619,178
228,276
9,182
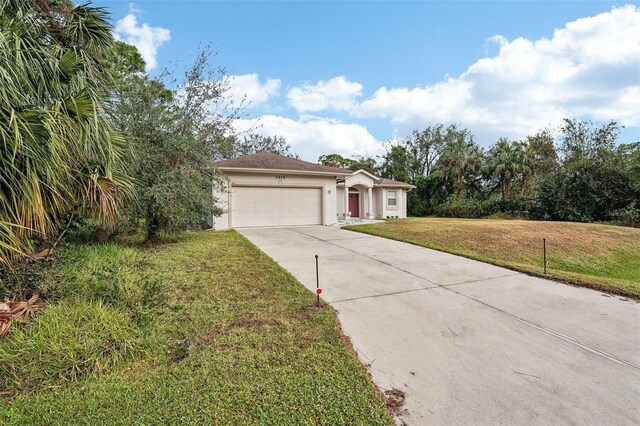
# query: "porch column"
346,200
370,191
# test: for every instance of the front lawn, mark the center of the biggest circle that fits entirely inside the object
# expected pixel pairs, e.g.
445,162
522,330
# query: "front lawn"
206,330
604,257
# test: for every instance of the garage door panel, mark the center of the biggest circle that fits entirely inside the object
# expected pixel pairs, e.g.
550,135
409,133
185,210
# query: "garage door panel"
276,206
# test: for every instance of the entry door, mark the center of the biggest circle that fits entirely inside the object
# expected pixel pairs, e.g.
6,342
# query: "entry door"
354,205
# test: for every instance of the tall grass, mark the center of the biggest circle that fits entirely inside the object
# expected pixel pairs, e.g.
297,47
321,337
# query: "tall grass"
67,342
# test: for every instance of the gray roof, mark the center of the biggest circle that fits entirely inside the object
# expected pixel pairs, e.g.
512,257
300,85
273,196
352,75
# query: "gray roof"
271,161
393,183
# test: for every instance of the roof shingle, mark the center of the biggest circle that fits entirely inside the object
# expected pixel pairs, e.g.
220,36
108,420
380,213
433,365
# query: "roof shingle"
271,161
393,183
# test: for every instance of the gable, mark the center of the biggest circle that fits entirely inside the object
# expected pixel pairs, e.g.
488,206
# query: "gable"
360,179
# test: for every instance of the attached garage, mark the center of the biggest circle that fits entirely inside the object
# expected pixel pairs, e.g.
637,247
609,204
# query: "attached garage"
267,189
275,206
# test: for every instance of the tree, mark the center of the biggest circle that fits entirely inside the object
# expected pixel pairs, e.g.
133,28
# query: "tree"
367,164
424,148
395,163
335,160
358,163
506,161
461,159
593,178
233,146
540,159
177,133
59,151
257,143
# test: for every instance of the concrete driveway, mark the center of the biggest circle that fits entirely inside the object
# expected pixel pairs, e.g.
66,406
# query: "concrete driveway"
471,343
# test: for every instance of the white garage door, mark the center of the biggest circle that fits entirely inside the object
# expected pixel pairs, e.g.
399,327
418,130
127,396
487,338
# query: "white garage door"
258,206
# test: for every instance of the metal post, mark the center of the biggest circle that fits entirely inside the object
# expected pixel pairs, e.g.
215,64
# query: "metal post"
317,284
544,254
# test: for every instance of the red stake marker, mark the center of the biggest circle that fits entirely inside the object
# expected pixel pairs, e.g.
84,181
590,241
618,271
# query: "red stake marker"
319,291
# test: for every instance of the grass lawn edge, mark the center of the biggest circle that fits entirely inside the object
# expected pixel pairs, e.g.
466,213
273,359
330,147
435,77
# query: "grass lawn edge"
576,282
391,408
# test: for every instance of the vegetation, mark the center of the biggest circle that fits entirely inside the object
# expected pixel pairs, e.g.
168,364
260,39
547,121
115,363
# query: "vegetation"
357,163
579,172
173,133
600,256
50,94
206,330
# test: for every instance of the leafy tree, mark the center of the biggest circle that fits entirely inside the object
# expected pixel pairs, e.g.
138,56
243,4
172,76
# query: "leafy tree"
395,163
540,159
424,148
59,152
177,134
593,180
335,160
257,143
358,163
233,146
364,163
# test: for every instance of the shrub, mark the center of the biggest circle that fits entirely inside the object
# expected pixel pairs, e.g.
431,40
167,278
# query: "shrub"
628,216
66,342
466,208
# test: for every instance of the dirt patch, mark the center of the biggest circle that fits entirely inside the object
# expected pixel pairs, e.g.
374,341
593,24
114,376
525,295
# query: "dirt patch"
394,399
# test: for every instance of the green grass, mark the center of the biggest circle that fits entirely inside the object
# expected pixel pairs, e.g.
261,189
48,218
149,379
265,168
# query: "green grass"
215,331
603,257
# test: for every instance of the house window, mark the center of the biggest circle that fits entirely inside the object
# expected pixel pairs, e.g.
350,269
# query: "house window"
392,200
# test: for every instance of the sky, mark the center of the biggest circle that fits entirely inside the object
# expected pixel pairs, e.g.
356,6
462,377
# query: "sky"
347,77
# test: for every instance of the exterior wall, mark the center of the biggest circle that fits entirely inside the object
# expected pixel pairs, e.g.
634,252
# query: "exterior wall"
221,198
326,183
383,210
340,203
378,196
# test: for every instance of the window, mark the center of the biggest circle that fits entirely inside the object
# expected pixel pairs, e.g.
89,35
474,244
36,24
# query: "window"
392,200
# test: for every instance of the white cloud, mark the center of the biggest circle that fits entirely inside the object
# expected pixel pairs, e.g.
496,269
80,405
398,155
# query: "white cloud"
311,137
146,38
249,85
337,93
587,69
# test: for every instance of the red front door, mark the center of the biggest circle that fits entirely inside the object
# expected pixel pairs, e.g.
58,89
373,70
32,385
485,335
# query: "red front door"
354,205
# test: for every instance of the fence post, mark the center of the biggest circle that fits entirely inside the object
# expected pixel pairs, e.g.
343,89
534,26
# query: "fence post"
544,254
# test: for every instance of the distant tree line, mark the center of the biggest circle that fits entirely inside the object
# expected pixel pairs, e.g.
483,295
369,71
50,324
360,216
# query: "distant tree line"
577,172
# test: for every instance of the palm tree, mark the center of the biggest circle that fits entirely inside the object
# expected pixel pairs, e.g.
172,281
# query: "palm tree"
459,158
58,151
508,161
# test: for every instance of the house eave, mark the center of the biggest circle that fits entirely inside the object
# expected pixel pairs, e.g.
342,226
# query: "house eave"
279,171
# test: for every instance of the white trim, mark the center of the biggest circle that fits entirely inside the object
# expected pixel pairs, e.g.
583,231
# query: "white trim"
366,173
395,198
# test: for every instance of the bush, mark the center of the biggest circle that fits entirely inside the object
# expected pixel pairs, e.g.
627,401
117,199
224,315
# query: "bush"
66,342
466,208
628,216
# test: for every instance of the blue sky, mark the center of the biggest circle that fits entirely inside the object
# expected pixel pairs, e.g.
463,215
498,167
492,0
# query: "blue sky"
346,77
